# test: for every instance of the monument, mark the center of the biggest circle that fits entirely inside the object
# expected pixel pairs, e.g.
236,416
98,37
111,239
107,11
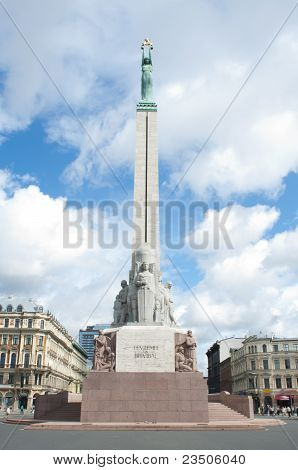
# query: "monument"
145,367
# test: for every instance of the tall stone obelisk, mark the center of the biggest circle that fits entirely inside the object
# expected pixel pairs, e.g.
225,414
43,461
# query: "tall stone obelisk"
146,182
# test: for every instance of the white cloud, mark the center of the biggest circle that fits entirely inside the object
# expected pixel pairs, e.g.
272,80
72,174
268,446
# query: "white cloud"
92,55
248,289
34,261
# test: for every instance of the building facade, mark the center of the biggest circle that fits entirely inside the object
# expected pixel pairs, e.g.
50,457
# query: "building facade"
37,355
86,340
266,369
219,367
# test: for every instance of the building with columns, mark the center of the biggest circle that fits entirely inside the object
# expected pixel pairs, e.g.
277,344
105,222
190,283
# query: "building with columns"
37,355
267,369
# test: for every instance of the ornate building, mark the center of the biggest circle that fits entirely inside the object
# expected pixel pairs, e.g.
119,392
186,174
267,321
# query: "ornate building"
37,355
266,369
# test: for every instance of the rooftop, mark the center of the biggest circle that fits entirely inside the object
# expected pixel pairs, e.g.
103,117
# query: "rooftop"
11,304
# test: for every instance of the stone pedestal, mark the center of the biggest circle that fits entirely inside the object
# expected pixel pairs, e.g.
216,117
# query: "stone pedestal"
167,397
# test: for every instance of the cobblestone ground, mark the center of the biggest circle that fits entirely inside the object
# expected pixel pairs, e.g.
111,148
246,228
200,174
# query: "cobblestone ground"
275,437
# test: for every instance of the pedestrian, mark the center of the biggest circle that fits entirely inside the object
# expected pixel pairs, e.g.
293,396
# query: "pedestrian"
7,412
22,409
289,411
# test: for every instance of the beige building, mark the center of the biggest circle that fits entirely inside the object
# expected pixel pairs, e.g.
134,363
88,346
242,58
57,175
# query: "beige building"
266,369
37,355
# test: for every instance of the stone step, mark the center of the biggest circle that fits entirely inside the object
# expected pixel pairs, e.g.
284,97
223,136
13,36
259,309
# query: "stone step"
220,412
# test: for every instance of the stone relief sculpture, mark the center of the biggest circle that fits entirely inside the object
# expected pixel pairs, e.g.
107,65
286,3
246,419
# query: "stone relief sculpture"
185,356
104,356
146,294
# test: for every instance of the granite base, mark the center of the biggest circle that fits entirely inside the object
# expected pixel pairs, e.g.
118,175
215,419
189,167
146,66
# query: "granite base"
139,397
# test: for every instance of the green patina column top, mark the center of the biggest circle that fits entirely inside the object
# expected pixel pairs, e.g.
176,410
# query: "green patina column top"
146,103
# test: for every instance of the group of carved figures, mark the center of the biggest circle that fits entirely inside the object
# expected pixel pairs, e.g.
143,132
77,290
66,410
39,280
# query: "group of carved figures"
186,357
104,356
144,300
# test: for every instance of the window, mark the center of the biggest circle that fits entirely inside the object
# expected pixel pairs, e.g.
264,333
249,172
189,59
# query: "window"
295,347
19,308
275,347
2,360
42,324
289,382
255,348
264,347
9,308
25,379
265,364
276,364
253,365
30,322
4,340
10,379
278,382
38,360
287,364
6,323
1,379
37,379
296,363
286,347
26,360
251,382
17,323
15,340
266,382
13,359
40,341
28,340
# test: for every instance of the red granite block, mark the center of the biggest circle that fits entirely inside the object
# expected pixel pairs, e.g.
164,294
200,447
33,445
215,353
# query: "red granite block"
135,405
156,383
198,405
99,394
168,417
182,381
193,416
155,405
173,395
121,394
99,417
180,405
142,416
122,417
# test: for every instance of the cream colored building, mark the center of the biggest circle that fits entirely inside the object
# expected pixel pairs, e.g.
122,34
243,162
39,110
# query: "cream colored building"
266,369
37,355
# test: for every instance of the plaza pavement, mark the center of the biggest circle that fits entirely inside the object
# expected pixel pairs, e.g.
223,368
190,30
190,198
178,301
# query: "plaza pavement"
272,437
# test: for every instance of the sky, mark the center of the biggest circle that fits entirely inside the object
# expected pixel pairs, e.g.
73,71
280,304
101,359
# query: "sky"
225,81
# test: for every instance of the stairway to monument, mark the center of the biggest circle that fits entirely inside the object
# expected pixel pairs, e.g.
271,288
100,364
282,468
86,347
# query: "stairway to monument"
220,412
68,412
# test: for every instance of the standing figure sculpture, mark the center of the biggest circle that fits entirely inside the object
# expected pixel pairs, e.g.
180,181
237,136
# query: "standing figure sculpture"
145,283
132,299
123,302
190,346
147,83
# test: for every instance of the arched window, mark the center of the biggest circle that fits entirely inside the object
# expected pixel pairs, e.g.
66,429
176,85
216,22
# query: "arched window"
41,324
9,308
2,361
13,359
40,308
39,358
249,349
264,347
6,323
19,308
17,323
255,349
30,323
26,360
